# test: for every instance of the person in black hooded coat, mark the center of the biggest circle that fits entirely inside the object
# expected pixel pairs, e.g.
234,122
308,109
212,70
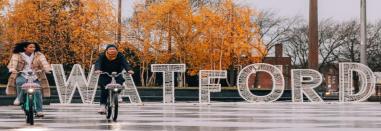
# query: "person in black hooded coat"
110,61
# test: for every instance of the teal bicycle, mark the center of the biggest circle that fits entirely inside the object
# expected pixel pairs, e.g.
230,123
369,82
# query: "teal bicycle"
29,105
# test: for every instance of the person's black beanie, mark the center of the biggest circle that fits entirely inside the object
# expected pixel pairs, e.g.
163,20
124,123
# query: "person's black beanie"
111,45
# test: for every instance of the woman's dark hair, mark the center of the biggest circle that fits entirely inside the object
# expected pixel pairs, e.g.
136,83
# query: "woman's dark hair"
21,45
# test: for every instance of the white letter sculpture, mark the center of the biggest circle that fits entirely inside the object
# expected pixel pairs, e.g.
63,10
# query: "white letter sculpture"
278,82
206,85
66,88
168,79
302,86
130,89
366,82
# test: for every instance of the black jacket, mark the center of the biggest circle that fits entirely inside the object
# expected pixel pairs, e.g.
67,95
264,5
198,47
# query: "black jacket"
117,65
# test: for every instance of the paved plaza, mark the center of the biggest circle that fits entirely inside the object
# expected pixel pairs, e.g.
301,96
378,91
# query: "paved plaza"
227,116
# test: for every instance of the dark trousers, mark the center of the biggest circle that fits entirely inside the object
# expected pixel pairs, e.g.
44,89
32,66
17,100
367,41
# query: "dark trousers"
104,94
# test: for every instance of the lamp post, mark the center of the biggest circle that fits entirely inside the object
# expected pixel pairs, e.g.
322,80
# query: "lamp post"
363,43
119,35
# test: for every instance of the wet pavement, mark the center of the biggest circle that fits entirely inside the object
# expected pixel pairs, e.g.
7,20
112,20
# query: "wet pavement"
227,116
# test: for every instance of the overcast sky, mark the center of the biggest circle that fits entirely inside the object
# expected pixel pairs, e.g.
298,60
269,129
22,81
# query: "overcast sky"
339,10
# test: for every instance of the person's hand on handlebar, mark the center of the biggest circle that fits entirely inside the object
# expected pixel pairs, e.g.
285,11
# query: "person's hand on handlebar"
48,71
130,72
13,71
98,72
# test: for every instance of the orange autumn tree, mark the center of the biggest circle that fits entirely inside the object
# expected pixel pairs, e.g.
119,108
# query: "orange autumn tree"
69,31
3,5
95,26
229,37
214,36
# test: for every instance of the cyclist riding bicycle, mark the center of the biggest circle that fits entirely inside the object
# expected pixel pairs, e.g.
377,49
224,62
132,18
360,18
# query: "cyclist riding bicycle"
27,56
111,60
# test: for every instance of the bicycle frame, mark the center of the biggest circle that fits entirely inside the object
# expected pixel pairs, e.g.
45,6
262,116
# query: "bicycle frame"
112,100
29,105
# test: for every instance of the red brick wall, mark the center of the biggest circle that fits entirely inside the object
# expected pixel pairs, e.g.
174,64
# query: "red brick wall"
265,80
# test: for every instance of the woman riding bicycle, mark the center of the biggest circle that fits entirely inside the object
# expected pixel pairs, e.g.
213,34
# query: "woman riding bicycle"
27,57
110,61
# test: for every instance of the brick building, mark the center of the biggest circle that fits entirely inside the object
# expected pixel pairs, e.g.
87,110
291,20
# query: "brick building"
264,80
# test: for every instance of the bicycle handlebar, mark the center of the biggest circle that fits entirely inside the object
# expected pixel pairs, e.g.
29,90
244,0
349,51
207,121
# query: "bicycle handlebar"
113,74
27,72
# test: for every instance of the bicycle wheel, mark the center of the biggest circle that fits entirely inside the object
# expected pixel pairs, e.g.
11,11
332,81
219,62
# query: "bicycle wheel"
116,103
25,107
108,108
31,111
